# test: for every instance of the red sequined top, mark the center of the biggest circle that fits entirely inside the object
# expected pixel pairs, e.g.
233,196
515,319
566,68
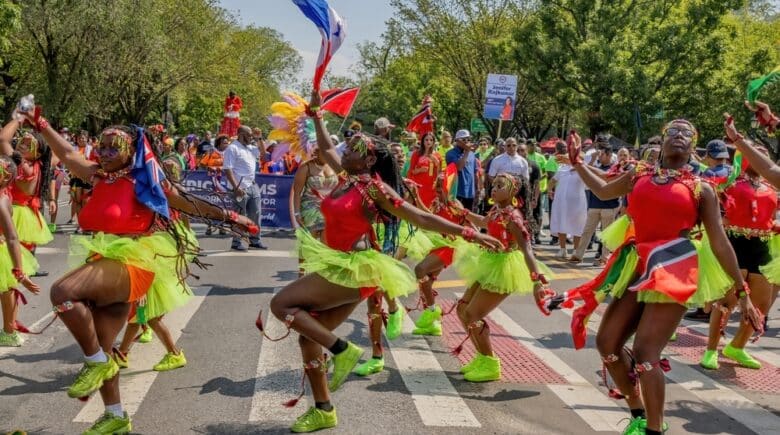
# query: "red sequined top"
498,225
663,211
114,209
19,196
426,180
452,212
345,219
750,207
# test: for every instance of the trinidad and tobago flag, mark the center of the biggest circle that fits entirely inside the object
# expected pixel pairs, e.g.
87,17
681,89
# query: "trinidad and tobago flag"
148,176
339,101
422,121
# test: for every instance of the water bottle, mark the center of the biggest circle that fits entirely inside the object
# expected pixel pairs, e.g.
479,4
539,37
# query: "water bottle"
26,104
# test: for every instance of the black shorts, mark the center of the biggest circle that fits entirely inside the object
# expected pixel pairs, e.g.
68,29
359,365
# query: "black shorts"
751,252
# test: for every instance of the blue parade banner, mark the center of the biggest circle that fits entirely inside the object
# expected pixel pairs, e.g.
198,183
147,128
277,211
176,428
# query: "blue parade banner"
275,194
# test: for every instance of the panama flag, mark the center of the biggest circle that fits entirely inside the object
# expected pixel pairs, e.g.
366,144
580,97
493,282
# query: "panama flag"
331,28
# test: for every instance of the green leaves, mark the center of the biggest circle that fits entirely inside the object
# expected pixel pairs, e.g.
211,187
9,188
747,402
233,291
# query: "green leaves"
117,61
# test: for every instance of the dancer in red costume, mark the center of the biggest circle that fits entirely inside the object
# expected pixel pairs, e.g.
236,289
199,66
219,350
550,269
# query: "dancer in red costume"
16,262
348,266
424,168
657,271
492,276
31,187
232,119
439,258
132,255
749,205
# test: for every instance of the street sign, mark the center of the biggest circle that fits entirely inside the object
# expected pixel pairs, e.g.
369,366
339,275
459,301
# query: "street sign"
477,126
500,97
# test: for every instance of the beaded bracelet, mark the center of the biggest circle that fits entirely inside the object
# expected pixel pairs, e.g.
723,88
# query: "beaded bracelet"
538,277
469,233
745,291
18,273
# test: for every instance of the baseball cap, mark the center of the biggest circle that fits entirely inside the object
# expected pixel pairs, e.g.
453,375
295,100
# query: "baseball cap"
383,123
717,149
410,135
462,134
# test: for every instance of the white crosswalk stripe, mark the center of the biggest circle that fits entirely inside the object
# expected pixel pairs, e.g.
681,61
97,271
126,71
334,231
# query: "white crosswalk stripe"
436,400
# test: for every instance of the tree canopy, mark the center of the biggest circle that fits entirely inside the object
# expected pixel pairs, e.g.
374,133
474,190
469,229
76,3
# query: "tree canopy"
624,66
96,63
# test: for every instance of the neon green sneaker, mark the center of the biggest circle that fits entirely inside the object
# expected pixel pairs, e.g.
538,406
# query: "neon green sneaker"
434,329
146,336
343,364
108,423
487,369
471,364
634,425
122,360
171,361
428,316
91,377
643,426
373,365
13,339
394,323
315,419
52,228
709,360
673,337
743,358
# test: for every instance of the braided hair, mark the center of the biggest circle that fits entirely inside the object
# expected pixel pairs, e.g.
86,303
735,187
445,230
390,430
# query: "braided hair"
387,168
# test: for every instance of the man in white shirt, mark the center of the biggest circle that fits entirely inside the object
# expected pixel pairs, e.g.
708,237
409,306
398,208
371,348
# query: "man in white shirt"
240,166
510,162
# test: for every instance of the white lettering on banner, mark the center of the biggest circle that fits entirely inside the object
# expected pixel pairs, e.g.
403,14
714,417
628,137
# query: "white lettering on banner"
267,189
267,201
499,89
198,184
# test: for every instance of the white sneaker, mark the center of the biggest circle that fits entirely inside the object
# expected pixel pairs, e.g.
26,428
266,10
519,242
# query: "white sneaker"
562,253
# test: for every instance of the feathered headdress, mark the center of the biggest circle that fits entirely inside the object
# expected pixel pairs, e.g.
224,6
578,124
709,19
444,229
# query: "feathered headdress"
292,128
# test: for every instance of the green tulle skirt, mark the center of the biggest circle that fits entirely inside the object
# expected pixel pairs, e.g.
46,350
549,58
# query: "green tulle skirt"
771,270
497,272
614,234
31,226
713,283
355,269
155,253
29,267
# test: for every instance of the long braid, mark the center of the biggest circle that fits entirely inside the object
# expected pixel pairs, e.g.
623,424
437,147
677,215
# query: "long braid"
387,169
46,172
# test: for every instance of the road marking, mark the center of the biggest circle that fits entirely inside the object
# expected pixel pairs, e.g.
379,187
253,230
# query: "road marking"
436,400
43,250
708,390
596,409
251,253
278,376
138,379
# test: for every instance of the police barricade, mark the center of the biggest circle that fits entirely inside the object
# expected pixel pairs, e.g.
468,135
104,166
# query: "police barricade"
275,194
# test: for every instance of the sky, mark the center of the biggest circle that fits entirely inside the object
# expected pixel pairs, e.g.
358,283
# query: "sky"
365,21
